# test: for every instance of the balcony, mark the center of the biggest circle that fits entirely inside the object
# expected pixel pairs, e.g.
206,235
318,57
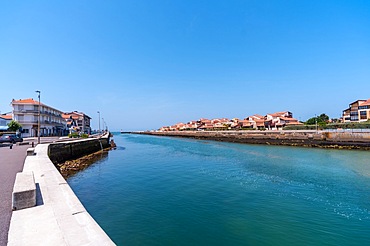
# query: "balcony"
28,121
26,111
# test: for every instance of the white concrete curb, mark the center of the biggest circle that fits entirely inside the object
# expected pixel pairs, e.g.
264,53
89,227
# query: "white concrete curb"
59,218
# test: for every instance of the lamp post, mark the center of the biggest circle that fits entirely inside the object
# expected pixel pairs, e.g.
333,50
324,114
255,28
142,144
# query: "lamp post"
38,122
103,123
106,126
316,122
99,120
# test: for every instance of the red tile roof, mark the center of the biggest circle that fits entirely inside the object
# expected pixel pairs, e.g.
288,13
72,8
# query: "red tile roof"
288,119
6,116
366,103
26,101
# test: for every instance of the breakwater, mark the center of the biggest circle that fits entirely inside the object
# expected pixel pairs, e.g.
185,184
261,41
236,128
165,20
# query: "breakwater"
321,139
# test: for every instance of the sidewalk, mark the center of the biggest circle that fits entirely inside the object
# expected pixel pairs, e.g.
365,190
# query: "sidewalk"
11,162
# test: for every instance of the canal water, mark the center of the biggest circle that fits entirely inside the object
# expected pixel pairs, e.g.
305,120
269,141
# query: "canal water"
171,191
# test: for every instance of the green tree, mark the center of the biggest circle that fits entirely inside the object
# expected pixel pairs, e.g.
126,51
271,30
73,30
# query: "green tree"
14,126
321,120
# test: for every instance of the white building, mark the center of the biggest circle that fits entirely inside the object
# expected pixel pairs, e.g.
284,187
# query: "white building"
79,119
26,112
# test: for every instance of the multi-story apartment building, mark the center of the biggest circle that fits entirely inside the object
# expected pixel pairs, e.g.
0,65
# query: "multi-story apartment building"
358,111
26,112
78,119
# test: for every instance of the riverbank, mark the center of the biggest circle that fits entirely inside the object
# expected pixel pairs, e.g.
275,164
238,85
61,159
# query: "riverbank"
318,139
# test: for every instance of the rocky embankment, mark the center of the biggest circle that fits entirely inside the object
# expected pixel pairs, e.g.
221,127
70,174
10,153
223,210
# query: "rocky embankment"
71,167
336,140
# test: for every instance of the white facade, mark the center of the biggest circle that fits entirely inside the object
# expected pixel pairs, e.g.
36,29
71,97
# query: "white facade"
26,112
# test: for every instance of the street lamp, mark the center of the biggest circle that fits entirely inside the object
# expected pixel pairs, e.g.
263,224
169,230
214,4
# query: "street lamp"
99,121
106,126
38,125
316,122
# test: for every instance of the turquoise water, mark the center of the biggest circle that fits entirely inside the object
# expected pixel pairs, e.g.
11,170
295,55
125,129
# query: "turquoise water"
171,191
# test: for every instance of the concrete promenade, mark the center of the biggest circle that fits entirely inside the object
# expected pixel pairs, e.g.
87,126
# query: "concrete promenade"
11,162
58,218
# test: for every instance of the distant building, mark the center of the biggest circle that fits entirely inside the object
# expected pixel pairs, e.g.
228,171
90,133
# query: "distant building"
4,121
255,121
78,120
273,121
278,120
358,111
26,111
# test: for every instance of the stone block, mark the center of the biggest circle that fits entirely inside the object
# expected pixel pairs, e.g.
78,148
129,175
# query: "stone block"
24,191
30,151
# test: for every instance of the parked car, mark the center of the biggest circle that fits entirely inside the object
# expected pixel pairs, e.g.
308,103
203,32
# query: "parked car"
10,138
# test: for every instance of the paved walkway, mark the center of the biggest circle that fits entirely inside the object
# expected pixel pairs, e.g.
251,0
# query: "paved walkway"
11,162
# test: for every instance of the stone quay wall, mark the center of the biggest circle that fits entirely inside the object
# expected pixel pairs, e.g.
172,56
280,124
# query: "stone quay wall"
65,151
322,139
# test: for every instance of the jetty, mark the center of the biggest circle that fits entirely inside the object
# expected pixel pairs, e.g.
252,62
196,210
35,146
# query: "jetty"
343,139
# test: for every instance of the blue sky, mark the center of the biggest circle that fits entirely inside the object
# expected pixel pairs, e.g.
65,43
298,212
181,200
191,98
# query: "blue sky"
145,64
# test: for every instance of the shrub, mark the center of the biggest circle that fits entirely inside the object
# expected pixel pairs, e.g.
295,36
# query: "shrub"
73,135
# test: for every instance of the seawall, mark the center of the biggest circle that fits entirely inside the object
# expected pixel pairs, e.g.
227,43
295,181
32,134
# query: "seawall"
65,151
58,218
321,139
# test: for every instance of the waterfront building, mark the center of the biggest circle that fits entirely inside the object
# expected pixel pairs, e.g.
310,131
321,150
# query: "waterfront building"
255,121
26,112
275,121
4,121
358,111
78,120
278,120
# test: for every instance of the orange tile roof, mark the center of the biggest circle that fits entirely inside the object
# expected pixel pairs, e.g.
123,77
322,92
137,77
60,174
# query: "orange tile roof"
26,101
294,123
366,103
278,114
6,116
287,118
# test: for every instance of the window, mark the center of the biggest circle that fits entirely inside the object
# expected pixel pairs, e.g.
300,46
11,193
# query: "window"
363,115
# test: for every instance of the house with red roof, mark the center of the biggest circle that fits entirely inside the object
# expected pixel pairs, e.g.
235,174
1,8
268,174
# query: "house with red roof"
4,121
255,121
278,120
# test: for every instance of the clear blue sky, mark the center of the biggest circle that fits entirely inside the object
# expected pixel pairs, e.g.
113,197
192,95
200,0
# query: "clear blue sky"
145,64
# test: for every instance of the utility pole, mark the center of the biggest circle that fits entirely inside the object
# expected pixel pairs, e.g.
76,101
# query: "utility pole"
38,125
99,120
